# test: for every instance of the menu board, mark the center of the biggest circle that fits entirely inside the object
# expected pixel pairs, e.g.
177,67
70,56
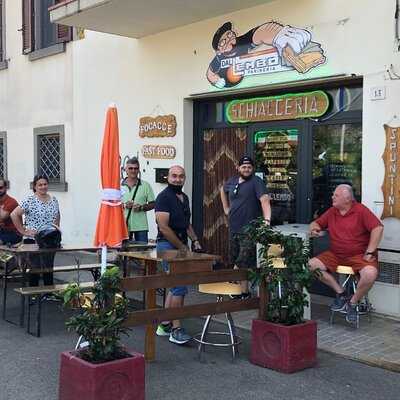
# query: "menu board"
276,157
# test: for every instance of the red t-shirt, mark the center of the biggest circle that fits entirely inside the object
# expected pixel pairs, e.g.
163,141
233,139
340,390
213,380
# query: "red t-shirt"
8,203
350,233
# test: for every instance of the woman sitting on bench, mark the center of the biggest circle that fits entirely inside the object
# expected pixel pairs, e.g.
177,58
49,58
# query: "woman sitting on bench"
41,210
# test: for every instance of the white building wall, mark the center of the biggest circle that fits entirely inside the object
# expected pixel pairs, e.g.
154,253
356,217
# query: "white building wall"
155,75
32,94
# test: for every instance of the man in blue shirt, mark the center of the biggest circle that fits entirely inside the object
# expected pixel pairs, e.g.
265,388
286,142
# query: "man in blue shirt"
244,198
174,229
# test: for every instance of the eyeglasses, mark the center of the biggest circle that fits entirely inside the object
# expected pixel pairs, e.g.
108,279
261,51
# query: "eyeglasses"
236,189
134,168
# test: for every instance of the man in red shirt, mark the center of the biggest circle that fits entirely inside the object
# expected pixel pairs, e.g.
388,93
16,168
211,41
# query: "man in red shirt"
8,232
354,233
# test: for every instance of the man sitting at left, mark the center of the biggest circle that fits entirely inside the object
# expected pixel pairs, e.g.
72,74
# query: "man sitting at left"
8,232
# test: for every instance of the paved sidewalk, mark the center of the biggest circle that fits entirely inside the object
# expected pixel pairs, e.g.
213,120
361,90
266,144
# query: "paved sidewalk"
29,365
376,343
29,369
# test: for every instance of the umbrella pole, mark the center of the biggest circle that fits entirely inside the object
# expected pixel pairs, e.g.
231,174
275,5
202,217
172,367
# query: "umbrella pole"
103,259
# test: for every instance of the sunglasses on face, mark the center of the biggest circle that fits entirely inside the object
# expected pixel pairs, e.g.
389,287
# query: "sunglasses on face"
132,168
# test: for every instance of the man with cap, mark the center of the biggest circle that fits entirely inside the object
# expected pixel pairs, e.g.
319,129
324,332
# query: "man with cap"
244,198
228,45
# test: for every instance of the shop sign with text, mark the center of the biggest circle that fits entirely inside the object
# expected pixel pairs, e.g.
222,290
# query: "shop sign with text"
160,126
391,183
267,48
289,106
158,151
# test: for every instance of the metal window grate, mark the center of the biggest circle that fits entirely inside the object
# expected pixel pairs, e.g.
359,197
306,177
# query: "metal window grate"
2,159
389,273
50,157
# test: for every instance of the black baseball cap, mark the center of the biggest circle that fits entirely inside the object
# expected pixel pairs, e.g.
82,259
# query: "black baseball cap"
227,26
246,160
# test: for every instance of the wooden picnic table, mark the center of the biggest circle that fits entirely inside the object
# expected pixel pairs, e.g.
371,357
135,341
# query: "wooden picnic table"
22,251
179,263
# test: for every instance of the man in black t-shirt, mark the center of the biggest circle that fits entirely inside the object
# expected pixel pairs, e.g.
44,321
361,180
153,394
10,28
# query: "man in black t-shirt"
174,229
244,198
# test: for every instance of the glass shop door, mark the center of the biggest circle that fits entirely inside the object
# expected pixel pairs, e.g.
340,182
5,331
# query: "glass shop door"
279,163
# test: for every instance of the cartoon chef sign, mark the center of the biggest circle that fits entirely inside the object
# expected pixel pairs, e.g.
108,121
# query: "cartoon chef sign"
267,48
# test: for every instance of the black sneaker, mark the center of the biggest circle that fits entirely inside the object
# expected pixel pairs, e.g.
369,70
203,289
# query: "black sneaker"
179,336
339,303
242,296
52,297
352,313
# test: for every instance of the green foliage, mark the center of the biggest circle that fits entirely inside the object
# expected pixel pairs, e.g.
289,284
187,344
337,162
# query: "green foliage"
285,286
101,317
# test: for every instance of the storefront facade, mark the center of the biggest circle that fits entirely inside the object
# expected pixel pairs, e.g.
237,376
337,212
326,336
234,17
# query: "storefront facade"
350,55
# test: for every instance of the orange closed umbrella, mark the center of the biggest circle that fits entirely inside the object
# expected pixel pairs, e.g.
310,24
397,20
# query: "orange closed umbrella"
111,227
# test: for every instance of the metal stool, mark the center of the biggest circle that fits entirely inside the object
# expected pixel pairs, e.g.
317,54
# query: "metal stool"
220,289
274,252
364,307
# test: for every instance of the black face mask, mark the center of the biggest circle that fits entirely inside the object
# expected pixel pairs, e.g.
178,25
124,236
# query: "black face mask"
176,188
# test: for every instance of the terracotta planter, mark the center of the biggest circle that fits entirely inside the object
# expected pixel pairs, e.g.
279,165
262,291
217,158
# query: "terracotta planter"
114,380
283,348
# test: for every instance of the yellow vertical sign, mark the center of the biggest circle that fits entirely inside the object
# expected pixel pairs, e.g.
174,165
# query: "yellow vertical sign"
391,183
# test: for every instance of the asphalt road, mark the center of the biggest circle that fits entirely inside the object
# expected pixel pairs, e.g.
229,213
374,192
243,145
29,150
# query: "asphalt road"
29,369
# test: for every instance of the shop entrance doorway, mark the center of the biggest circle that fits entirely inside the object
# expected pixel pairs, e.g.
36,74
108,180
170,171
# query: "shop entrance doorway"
222,151
301,161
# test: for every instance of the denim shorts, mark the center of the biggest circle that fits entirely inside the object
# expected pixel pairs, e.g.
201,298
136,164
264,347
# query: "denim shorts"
139,236
165,245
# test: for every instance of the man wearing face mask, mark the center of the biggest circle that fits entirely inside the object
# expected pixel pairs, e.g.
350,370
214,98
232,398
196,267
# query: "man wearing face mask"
244,198
174,229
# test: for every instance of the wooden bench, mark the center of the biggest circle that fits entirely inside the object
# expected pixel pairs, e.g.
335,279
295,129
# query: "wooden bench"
15,272
36,295
93,268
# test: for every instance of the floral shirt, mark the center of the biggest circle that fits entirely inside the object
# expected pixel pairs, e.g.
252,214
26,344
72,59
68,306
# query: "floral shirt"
39,214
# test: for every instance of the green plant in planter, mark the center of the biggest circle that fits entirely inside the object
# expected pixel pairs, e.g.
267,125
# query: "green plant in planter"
101,317
285,285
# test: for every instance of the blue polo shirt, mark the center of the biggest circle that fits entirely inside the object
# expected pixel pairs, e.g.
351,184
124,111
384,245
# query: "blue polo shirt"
179,213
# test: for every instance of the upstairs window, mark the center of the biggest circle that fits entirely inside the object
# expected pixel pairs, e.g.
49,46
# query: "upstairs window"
50,155
2,34
38,32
